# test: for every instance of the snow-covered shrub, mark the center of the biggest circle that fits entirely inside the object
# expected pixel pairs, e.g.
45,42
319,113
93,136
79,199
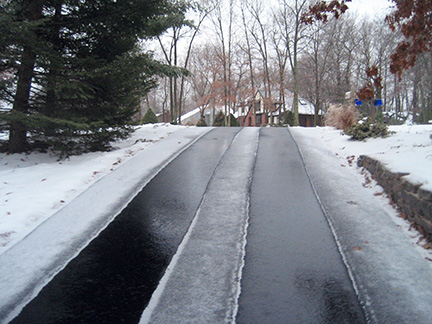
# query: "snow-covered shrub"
341,116
366,129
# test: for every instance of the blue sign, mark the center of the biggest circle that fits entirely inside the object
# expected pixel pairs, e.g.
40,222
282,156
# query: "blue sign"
358,102
378,103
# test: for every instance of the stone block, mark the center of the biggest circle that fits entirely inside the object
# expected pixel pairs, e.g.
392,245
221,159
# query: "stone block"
411,199
425,194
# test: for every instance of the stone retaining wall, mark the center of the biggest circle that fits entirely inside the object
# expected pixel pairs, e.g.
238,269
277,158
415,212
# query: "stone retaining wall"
413,201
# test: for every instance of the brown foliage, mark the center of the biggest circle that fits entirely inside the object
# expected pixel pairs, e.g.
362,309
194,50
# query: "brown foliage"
341,117
412,17
322,9
367,92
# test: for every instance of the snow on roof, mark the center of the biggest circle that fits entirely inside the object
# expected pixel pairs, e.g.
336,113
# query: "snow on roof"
191,113
305,107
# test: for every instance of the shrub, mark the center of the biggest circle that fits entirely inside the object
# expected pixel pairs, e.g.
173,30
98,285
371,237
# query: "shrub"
341,117
201,123
367,129
149,117
234,122
219,119
289,118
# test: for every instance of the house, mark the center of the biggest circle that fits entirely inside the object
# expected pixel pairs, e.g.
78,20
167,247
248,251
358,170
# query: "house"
191,117
259,111
307,113
163,117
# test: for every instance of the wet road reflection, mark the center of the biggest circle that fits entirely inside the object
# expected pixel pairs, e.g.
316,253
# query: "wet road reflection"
111,280
293,272
330,297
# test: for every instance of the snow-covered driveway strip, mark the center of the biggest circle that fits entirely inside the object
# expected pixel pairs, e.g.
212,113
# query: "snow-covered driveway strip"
392,277
28,265
201,285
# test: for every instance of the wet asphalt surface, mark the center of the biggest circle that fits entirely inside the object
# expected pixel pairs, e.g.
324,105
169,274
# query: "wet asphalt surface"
112,280
293,271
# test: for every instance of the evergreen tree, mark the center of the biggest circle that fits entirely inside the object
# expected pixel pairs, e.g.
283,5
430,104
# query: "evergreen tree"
219,119
149,117
201,123
80,74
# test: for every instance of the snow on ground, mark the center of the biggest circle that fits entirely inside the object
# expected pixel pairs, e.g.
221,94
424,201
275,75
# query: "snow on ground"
35,186
407,150
28,264
391,271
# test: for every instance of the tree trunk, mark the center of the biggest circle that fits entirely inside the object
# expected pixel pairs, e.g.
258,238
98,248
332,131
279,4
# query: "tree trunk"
296,92
18,130
51,100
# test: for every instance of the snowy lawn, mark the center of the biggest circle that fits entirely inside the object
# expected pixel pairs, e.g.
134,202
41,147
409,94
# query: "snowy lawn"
408,149
35,186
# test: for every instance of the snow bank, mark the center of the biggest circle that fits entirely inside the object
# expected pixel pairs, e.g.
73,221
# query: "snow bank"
94,188
409,149
390,272
35,186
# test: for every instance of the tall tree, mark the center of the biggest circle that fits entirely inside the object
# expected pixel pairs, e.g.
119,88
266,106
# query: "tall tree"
315,65
224,31
293,34
80,74
182,35
31,13
412,17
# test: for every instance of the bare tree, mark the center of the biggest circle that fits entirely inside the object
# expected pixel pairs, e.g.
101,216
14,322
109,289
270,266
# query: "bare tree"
293,32
315,65
223,20
183,32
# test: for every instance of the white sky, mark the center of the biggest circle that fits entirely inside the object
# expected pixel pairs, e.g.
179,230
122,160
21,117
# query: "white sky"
371,7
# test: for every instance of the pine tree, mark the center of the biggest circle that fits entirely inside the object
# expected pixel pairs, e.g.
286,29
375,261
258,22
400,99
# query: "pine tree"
80,75
149,117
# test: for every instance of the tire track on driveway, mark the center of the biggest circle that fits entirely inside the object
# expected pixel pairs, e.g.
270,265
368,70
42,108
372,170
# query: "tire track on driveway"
201,286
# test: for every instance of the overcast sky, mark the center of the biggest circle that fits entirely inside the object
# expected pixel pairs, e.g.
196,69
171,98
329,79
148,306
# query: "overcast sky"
371,7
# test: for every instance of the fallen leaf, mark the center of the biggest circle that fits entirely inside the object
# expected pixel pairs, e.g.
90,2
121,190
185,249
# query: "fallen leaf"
357,248
428,246
44,179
